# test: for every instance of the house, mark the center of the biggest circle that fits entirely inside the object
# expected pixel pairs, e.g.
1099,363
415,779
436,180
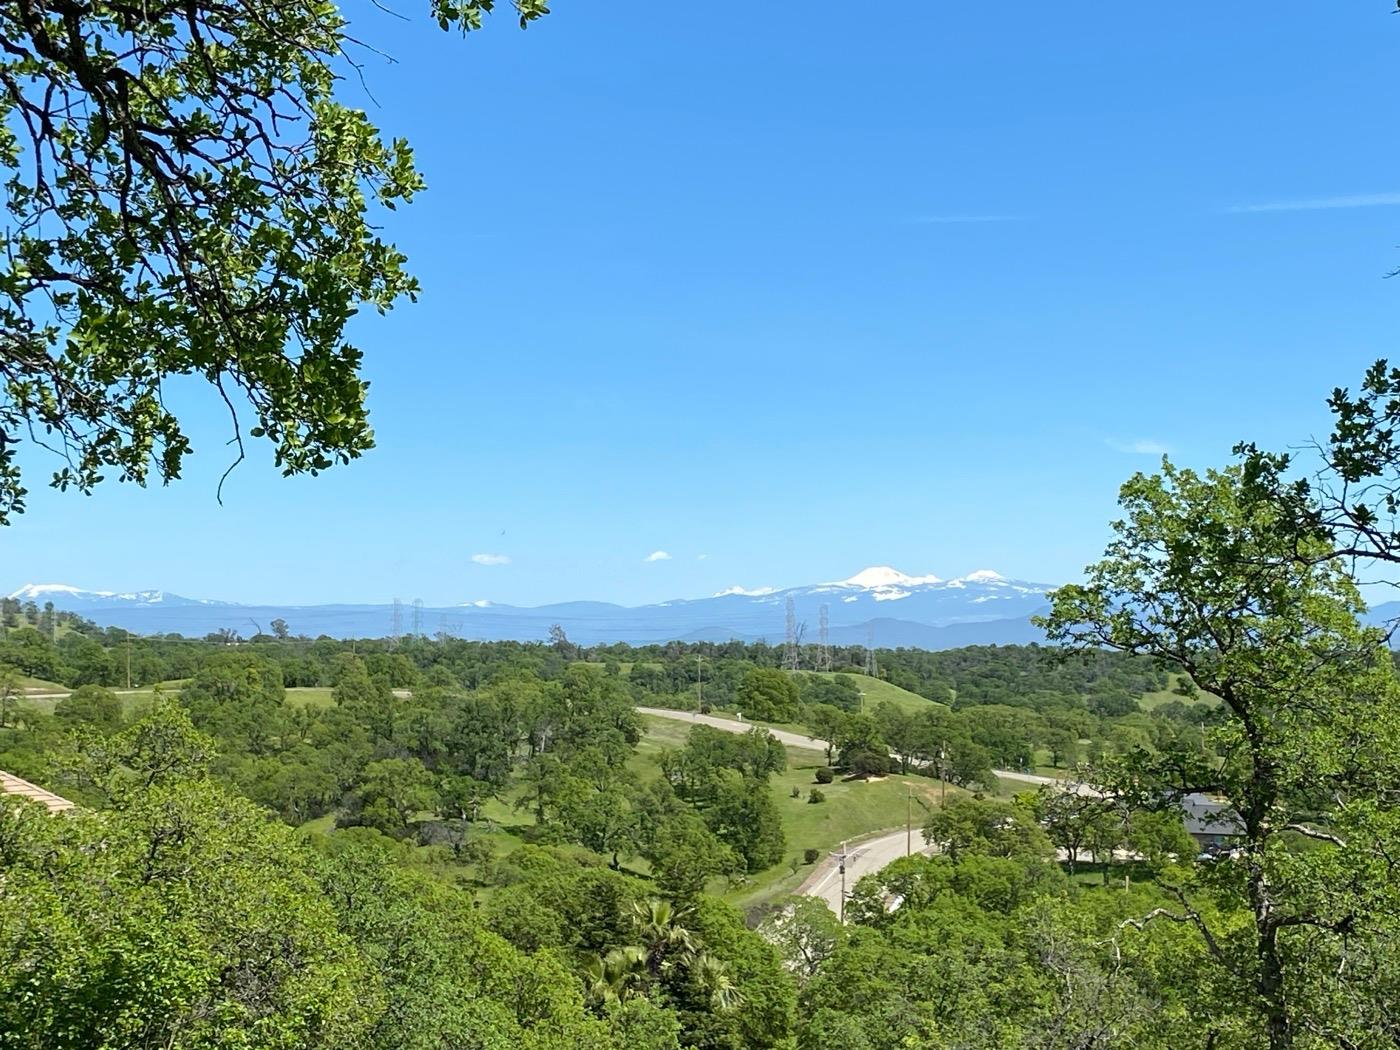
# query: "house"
1212,824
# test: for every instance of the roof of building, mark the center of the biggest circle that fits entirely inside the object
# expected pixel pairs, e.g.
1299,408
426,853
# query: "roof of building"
13,785
1203,815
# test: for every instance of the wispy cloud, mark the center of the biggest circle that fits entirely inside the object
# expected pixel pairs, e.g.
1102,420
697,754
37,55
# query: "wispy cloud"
1141,447
1355,200
657,556
701,557
943,220
491,559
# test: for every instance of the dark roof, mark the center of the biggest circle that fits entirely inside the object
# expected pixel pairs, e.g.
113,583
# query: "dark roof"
1205,816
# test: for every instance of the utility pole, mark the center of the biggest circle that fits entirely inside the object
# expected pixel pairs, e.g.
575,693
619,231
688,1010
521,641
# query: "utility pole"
843,881
943,773
699,684
909,821
824,630
128,659
790,657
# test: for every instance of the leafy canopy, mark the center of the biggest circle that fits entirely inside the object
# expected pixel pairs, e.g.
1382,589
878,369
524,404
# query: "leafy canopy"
187,196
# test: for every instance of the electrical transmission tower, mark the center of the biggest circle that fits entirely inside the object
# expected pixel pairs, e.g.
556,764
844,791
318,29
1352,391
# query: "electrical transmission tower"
790,642
871,667
396,623
417,617
824,635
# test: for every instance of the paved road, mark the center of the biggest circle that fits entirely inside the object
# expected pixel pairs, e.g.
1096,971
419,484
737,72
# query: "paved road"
862,858
811,743
62,696
730,725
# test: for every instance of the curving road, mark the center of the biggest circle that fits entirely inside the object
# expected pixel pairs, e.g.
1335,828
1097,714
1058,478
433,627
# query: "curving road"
811,743
862,858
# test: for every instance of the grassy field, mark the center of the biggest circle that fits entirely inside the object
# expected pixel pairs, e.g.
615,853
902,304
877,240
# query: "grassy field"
309,696
133,702
1149,701
38,685
880,692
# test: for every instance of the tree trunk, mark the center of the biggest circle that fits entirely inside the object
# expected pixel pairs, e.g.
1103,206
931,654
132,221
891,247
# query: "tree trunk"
1269,983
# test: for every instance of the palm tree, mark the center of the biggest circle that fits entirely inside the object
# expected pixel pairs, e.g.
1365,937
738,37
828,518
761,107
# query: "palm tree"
616,976
667,944
659,927
713,977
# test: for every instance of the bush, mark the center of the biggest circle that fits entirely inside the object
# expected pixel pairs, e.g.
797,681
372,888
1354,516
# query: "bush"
816,796
796,791
809,856
825,775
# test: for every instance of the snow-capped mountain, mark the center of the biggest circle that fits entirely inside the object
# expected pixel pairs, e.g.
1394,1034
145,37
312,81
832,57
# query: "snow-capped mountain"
75,599
896,608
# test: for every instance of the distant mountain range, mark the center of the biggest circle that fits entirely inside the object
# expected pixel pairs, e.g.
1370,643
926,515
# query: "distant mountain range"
893,608
880,603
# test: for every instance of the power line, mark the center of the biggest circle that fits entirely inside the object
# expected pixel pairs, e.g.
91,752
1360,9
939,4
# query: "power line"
790,642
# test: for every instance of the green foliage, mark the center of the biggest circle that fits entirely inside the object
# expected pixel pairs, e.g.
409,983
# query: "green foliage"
862,749
987,826
768,695
198,927
390,793
837,690
1208,576
742,814
186,196
684,853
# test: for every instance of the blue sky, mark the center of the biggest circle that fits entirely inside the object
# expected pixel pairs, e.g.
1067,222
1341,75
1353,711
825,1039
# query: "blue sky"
788,291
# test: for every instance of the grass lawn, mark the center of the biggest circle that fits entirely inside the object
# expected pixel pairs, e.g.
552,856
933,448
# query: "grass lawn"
1148,701
309,696
38,685
133,703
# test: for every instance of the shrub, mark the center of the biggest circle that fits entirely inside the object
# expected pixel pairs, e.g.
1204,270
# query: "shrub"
809,856
816,796
796,791
825,775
